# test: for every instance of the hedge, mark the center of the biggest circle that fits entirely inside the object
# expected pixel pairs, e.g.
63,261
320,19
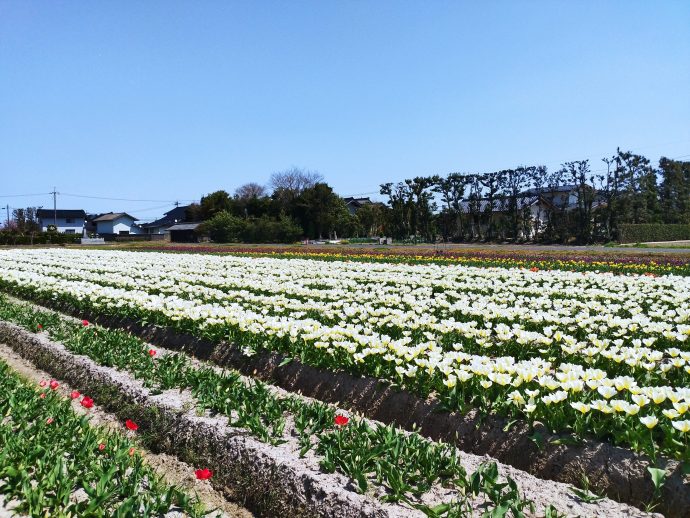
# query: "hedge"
649,232
39,238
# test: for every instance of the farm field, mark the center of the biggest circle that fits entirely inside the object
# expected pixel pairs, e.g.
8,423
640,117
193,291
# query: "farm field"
582,258
569,360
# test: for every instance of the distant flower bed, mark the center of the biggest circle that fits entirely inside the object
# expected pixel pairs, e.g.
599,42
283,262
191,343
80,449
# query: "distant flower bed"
562,260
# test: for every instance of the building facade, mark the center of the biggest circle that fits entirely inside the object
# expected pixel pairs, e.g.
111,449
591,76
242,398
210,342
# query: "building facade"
116,224
66,221
162,225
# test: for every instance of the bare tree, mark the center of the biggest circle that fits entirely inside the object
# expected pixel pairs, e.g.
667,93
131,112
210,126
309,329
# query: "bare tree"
294,181
250,190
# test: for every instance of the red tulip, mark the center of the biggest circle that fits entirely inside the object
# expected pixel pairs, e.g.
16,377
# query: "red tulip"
203,474
152,352
85,323
43,383
131,451
87,402
534,269
54,384
39,327
341,420
43,395
75,394
49,420
101,447
131,424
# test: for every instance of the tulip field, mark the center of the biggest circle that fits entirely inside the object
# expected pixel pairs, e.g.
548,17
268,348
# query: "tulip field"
596,355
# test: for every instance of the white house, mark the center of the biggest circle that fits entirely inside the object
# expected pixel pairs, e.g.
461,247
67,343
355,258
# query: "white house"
66,221
538,203
116,223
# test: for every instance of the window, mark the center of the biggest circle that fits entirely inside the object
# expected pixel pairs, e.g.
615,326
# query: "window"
124,232
69,231
69,220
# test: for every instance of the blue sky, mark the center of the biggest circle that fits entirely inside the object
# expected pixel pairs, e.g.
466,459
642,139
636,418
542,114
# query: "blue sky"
171,100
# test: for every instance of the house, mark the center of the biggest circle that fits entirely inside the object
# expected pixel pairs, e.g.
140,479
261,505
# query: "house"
116,224
561,197
184,233
535,205
66,221
161,226
354,204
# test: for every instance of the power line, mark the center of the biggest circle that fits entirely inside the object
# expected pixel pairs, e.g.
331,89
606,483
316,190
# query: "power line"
172,202
360,194
120,199
20,195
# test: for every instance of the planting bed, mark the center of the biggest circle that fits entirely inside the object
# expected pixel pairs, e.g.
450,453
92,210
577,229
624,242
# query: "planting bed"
170,468
274,466
618,472
54,462
581,376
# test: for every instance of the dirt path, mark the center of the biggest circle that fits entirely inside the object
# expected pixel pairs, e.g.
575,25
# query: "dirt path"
173,470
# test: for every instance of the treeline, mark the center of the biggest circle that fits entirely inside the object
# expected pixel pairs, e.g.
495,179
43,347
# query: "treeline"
572,204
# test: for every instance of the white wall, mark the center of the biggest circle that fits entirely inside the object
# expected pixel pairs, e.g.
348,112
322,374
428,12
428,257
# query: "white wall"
121,224
76,225
104,227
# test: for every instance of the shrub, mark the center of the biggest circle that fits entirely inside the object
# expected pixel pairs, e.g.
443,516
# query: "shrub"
267,230
226,228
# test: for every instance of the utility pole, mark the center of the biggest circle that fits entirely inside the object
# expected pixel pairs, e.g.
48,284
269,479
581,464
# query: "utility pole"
8,215
55,193
177,204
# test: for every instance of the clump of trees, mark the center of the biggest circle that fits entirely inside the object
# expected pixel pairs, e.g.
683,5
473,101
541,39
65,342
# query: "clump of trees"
300,204
226,228
23,221
573,204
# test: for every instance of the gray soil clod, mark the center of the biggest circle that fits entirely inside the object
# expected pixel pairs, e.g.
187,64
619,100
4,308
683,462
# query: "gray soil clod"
618,473
270,480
